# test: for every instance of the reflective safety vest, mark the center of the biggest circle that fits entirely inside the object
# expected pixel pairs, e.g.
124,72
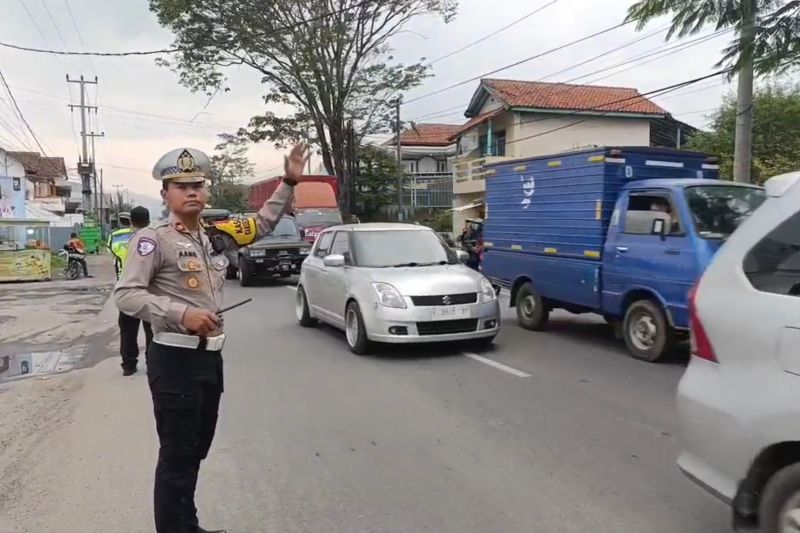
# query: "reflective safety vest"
118,243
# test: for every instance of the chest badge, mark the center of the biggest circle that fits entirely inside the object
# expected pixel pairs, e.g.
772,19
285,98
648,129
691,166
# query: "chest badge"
193,265
192,282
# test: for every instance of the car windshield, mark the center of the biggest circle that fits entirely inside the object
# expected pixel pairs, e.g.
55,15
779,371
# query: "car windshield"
717,210
319,218
396,248
286,228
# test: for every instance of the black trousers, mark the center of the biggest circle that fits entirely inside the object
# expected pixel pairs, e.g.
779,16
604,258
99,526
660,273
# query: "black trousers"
85,267
129,339
186,386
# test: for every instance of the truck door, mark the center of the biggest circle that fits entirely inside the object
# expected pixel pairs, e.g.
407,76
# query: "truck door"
637,258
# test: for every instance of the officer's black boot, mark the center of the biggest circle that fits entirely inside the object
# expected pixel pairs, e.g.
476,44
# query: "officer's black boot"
201,530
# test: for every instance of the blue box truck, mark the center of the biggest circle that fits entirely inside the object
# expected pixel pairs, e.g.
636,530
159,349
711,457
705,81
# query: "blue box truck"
623,232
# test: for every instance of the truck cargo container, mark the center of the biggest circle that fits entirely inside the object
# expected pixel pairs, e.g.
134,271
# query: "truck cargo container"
315,205
622,232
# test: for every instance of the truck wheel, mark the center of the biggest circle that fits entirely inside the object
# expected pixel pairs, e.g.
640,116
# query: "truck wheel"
779,510
245,274
531,311
646,331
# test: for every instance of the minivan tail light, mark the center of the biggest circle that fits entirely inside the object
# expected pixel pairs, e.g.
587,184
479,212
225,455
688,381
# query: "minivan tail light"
700,343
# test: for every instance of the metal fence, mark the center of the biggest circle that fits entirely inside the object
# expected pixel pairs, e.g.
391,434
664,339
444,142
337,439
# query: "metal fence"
428,190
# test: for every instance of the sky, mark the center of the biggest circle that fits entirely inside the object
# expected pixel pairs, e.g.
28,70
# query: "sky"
144,112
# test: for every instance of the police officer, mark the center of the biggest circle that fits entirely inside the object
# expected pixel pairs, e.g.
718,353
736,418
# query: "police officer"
139,218
173,278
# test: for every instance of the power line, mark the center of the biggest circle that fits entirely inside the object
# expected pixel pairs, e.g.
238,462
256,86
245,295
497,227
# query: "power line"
670,50
33,20
55,25
520,62
14,101
78,33
174,49
514,23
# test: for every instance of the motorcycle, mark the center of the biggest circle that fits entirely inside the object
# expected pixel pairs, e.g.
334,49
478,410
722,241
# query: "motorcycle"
73,258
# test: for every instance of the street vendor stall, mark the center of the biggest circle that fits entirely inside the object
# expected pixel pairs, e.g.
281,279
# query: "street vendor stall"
24,249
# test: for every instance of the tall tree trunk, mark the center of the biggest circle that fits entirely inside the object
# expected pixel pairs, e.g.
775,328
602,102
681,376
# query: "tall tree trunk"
743,149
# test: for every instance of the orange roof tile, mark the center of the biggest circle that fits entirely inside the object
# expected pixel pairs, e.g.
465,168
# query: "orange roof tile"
429,135
539,95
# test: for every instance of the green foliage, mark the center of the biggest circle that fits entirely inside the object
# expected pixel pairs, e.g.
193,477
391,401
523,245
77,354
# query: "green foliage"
376,184
775,44
776,132
324,62
229,165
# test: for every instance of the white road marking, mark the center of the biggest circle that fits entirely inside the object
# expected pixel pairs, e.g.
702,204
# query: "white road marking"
291,287
499,366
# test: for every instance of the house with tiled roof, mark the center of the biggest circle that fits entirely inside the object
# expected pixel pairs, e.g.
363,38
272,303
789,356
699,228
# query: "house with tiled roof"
46,181
426,153
514,119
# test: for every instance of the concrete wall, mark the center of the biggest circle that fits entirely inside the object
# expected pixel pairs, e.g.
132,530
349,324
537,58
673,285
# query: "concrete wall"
602,131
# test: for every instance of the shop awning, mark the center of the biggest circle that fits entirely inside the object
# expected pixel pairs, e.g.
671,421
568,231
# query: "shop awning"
468,206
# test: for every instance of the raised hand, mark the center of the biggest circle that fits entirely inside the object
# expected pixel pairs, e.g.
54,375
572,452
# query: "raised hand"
295,162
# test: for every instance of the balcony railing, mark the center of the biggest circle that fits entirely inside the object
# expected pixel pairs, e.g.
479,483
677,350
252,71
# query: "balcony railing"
429,189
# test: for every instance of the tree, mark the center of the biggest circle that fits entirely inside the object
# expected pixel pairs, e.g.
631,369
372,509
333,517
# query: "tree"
762,45
376,184
328,61
776,132
229,165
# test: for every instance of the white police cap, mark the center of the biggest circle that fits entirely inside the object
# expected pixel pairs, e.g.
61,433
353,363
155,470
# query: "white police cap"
183,165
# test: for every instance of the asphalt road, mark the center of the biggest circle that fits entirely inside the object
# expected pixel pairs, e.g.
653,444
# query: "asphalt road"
571,435
315,439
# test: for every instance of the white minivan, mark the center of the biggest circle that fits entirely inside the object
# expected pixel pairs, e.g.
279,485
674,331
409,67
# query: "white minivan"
739,400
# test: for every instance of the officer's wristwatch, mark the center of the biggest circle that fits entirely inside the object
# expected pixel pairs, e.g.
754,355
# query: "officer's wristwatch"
290,182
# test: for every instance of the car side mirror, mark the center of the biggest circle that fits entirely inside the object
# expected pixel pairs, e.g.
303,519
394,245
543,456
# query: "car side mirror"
659,228
462,256
334,260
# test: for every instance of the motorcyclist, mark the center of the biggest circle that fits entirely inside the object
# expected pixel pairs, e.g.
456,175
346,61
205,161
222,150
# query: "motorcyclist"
77,249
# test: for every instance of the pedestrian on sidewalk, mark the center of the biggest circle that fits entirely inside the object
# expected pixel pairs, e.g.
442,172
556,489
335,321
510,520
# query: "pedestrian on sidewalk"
173,278
129,325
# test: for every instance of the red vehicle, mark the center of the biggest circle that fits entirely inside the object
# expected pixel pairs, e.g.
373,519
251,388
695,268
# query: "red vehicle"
315,205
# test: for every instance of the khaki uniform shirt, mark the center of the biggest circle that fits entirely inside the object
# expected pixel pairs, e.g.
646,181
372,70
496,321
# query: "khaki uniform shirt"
170,268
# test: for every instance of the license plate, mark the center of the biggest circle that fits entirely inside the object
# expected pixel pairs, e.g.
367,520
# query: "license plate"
450,312
259,261
283,252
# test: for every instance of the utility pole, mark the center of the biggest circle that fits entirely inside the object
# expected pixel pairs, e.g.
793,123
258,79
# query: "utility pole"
743,143
399,149
85,167
119,199
98,195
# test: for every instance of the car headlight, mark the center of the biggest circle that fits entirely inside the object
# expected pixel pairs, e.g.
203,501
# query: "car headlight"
257,253
388,296
487,291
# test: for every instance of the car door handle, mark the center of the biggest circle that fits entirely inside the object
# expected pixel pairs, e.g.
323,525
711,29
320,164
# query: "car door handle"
622,249
672,251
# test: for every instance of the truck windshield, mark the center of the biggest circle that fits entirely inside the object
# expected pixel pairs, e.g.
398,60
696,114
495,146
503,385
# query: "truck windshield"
286,227
717,210
319,218
400,248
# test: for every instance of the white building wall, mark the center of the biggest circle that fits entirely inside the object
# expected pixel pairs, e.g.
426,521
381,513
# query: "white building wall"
536,135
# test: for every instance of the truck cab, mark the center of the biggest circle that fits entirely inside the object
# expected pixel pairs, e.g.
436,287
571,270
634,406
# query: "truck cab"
661,237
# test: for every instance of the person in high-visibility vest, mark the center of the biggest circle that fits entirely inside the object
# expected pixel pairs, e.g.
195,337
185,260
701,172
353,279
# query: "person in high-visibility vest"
129,325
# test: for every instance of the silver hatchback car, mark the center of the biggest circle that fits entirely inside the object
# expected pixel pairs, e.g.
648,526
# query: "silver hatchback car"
394,283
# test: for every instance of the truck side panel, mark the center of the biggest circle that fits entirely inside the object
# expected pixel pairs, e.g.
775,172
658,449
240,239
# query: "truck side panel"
572,280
